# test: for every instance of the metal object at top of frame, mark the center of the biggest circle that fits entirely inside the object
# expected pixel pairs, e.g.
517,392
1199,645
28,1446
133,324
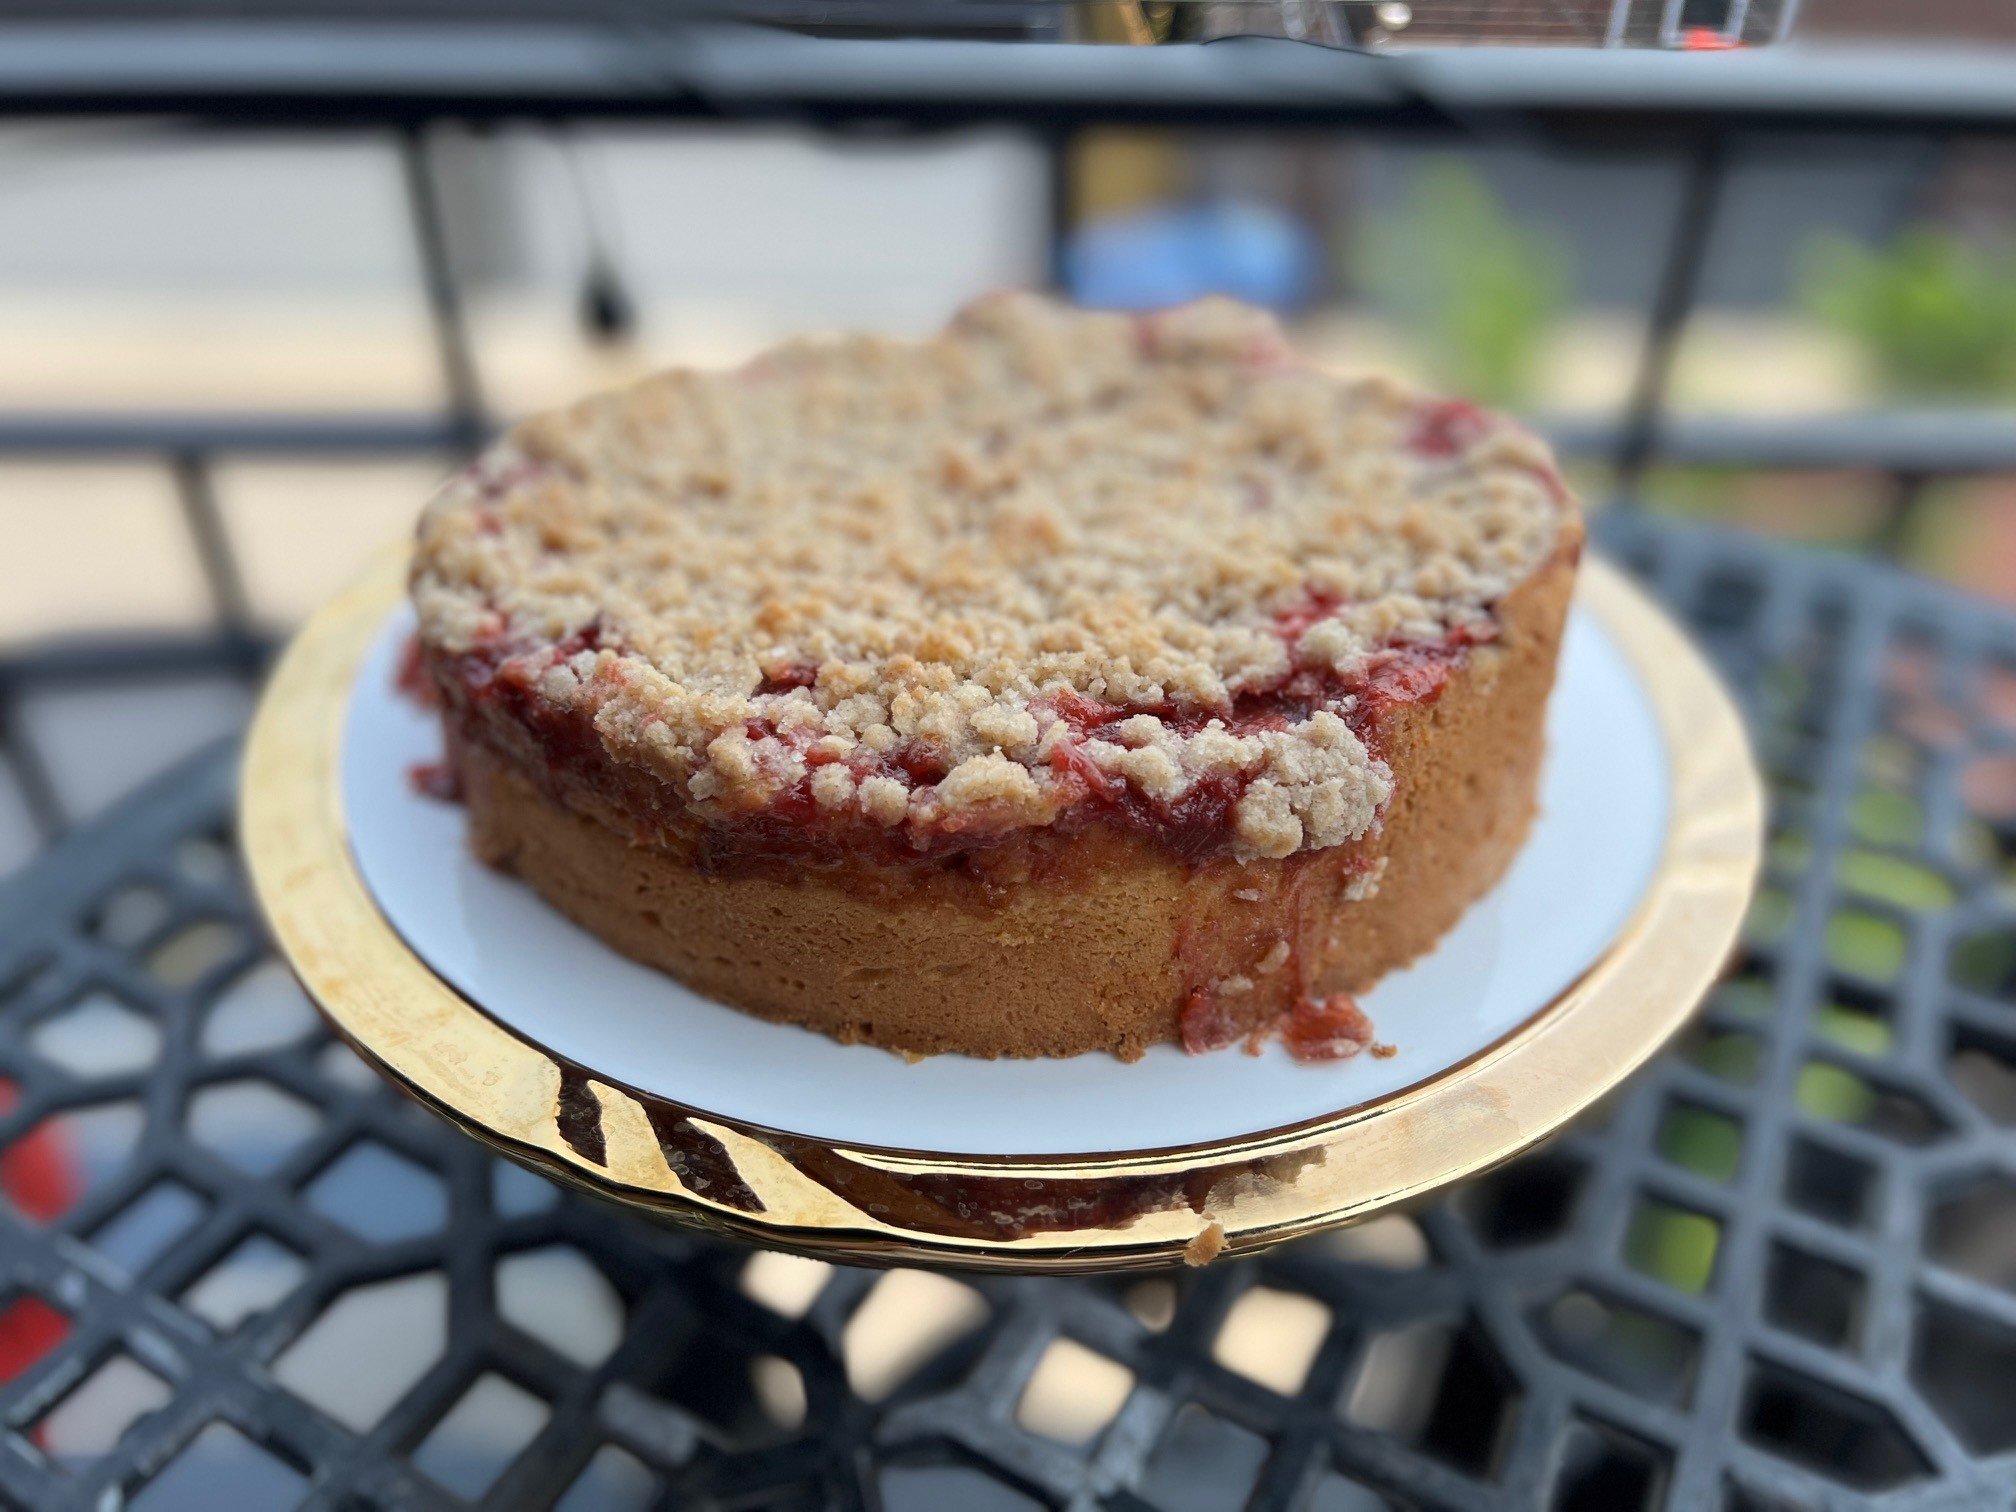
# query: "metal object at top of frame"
1388,25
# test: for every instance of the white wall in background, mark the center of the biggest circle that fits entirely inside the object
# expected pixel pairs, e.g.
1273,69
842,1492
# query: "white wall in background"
136,210
809,231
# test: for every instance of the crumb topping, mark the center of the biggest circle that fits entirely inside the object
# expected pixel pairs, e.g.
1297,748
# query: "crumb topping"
1206,1245
1044,560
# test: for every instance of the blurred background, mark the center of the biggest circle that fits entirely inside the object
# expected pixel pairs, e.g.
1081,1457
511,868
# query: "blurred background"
1832,311
261,286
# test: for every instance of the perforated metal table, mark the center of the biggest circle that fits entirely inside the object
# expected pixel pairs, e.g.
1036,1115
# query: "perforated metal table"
1779,1271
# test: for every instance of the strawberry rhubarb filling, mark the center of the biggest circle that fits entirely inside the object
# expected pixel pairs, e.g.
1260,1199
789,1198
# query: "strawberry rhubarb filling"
1087,763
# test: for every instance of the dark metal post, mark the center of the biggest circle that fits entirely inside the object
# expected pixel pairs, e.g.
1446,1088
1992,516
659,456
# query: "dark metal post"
207,531
444,298
31,773
1900,512
1061,183
1672,304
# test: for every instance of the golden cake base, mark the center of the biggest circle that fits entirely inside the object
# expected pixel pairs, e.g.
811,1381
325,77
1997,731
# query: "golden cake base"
1113,1211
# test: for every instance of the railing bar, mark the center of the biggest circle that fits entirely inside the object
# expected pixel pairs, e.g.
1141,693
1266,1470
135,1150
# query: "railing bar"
31,774
1673,303
212,540
444,298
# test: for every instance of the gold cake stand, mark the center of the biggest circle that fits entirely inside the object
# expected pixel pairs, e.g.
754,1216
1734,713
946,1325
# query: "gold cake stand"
1112,1211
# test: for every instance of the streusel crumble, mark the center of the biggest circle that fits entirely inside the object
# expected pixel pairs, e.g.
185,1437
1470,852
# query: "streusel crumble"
908,621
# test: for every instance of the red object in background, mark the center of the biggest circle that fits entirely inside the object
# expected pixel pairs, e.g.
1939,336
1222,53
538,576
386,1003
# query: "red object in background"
39,1180
1706,39
34,1172
29,1329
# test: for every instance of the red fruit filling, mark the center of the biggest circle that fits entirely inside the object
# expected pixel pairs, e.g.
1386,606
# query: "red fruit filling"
496,687
784,679
1204,1024
1315,1030
1292,623
437,780
1447,428
410,676
505,682
1326,1029
430,779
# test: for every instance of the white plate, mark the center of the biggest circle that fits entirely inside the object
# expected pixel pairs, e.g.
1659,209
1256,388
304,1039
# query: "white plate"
1605,797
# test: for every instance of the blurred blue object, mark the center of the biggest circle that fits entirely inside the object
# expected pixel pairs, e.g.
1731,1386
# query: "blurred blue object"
1174,253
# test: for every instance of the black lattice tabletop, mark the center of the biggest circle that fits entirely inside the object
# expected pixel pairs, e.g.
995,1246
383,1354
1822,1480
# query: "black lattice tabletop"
1779,1271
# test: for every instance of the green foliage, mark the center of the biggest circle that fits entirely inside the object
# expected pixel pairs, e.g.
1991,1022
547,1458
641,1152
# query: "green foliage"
1707,1143
1834,1093
1673,1244
1477,286
1894,880
1934,315
1865,945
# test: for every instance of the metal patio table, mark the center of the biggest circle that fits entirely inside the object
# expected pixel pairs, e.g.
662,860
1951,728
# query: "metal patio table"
1775,1272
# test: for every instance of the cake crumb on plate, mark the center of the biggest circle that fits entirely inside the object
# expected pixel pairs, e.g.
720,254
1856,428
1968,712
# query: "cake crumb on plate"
1205,1245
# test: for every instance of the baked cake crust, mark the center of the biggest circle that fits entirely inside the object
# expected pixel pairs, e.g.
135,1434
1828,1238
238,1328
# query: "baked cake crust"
1066,682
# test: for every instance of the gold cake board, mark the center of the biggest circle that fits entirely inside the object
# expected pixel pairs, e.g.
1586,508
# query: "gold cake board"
1114,1211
